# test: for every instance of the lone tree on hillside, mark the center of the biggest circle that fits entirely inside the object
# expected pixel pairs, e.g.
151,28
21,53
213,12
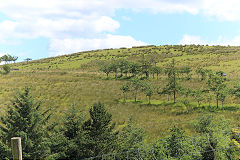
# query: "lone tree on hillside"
8,58
28,59
172,86
217,85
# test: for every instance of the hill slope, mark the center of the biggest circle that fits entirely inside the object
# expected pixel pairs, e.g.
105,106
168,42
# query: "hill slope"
61,81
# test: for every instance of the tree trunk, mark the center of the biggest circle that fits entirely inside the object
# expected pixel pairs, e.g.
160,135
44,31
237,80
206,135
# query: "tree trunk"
174,96
147,75
135,98
157,75
149,100
153,75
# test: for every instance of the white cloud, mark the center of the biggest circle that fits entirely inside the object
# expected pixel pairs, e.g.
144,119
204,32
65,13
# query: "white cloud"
222,9
65,46
74,20
190,39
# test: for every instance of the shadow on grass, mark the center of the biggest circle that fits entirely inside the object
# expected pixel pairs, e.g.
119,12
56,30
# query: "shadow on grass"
220,108
178,108
231,108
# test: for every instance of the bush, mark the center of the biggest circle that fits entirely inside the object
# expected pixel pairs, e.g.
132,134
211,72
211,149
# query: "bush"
6,69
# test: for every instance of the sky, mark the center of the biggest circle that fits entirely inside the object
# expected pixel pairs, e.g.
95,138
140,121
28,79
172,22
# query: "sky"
46,28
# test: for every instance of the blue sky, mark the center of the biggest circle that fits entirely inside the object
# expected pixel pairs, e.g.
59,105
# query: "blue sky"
43,28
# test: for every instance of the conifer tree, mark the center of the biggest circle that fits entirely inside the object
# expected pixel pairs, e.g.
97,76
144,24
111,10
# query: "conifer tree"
130,137
101,137
176,146
68,140
24,119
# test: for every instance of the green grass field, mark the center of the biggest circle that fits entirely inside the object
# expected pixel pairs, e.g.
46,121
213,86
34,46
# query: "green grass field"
62,81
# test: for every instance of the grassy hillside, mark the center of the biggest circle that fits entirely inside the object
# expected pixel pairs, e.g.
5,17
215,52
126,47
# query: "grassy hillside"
61,81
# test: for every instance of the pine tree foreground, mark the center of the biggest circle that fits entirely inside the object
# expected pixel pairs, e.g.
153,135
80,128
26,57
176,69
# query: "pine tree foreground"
24,119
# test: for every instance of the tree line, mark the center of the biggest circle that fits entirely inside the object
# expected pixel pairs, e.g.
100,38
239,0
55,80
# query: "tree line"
127,68
215,83
78,137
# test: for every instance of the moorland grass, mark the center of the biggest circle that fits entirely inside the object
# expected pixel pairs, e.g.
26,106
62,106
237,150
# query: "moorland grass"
61,81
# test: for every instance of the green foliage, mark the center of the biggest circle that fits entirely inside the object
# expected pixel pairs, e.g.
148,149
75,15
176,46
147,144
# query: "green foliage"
145,67
202,72
216,138
25,119
84,84
130,138
186,103
217,85
8,58
125,88
134,68
114,67
236,91
198,95
176,146
172,87
148,90
136,84
68,141
6,69
100,135
186,70
5,151
106,68
123,66
156,70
